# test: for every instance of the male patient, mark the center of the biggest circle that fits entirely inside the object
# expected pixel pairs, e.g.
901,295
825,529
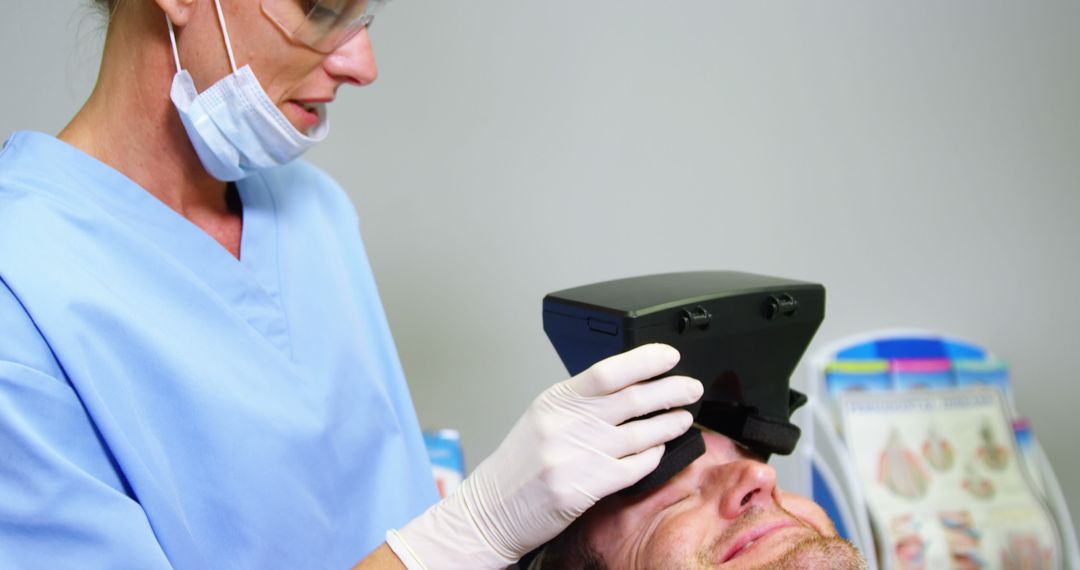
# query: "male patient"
722,511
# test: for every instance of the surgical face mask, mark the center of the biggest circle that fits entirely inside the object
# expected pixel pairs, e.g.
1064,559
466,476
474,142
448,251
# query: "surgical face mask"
234,126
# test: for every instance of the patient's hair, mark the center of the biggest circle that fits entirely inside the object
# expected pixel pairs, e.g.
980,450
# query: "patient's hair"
571,549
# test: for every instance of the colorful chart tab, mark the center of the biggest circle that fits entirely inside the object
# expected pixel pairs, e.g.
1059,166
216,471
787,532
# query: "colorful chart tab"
982,372
857,376
921,374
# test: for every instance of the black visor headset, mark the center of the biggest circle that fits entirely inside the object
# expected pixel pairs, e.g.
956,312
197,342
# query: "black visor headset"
740,334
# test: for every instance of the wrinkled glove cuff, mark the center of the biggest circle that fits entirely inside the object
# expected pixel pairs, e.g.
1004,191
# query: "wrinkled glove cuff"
445,536
405,554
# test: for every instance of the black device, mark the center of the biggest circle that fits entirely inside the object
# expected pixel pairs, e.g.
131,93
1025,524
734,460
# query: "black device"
740,334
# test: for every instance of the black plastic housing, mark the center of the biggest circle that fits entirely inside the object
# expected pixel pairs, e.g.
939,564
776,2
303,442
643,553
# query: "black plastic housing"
740,334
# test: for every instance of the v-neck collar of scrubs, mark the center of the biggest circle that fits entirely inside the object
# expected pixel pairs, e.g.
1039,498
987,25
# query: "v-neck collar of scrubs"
250,285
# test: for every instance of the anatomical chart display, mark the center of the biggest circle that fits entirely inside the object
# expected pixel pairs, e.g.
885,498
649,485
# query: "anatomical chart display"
943,481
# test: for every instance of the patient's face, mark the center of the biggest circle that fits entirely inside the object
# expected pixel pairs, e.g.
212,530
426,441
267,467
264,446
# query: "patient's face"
723,511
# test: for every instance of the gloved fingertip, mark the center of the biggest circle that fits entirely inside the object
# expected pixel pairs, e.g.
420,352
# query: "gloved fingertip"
638,465
696,390
669,354
684,391
686,419
673,354
652,456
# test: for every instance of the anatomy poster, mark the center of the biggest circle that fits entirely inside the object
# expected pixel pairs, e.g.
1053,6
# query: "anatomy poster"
943,481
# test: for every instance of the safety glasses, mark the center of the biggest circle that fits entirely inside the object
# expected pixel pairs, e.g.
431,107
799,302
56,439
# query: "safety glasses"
324,25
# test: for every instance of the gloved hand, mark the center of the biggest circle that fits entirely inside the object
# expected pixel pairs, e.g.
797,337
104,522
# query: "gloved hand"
569,450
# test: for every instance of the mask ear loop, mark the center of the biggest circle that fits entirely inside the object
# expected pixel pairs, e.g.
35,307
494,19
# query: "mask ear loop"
224,32
172,39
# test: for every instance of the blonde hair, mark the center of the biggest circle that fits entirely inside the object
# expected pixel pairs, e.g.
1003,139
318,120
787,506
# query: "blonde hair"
108,7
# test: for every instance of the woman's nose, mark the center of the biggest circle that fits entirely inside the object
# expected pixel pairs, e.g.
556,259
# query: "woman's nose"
353,61
751,484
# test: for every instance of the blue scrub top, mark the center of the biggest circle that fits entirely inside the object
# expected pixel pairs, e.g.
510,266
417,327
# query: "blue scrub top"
163,404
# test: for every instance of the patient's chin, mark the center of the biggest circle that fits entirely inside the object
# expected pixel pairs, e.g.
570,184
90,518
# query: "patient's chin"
821,552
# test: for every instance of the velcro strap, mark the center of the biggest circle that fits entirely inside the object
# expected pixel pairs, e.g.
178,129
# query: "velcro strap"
772,436
744,424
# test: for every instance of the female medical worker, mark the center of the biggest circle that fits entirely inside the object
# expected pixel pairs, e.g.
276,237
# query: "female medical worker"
195,370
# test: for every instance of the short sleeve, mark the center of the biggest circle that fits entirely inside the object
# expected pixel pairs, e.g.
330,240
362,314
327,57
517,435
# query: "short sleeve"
63,504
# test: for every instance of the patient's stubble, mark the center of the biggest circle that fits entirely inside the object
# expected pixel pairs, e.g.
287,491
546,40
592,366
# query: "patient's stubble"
813,551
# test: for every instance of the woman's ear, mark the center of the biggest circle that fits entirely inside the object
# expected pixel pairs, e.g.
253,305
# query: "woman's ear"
178,11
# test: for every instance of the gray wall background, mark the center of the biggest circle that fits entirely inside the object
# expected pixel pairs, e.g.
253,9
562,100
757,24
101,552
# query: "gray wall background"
921,159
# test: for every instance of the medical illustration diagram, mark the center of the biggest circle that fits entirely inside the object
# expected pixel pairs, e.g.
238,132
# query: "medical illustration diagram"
900,470
990,451
938,451
977,484
963,541
909,552
1026,551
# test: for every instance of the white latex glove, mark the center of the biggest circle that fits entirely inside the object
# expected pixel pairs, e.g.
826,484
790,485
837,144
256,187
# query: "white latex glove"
569,450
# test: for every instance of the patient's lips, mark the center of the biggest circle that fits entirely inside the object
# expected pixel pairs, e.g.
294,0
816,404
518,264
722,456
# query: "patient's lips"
754,536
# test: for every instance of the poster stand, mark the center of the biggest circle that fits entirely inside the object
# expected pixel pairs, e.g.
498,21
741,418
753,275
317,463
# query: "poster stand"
899,362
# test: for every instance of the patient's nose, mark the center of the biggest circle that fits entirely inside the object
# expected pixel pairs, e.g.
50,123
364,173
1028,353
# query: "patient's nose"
751,484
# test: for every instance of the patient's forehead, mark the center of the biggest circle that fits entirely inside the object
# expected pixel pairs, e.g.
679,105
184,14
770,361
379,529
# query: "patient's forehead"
721,449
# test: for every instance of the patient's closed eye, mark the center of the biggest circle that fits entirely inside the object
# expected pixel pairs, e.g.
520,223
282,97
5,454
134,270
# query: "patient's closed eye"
676,499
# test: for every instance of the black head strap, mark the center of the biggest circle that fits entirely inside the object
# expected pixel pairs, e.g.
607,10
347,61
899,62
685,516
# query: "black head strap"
678,453
764,435
744,424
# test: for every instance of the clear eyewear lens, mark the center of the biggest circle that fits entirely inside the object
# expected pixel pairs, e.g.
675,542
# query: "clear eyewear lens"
322,24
